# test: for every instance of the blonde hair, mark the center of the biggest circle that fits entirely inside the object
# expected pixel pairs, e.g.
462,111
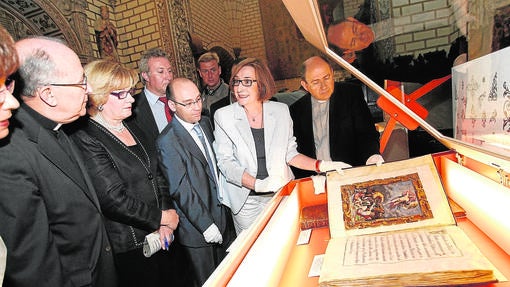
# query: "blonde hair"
207,57
104,77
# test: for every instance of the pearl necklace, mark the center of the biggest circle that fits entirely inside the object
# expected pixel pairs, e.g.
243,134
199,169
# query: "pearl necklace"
98,118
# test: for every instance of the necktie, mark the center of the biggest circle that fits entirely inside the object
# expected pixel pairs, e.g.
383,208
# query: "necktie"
212,167
168,113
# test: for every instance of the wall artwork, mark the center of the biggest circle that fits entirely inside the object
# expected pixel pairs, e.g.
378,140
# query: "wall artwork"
481,96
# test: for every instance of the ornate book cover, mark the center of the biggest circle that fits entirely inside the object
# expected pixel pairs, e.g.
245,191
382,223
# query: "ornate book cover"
392,226
314,216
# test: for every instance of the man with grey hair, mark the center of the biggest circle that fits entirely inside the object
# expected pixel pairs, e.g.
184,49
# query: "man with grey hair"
50,216
216,92
151,111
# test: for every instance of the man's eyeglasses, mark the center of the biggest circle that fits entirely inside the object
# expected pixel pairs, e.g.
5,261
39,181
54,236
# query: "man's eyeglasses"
190,104
123,94
245,82
82,85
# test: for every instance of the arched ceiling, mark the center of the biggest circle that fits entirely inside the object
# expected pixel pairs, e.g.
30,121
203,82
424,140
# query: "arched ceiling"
62,19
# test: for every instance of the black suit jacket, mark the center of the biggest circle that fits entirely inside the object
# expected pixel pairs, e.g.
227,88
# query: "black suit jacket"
192,186
142,116
50,217
352,134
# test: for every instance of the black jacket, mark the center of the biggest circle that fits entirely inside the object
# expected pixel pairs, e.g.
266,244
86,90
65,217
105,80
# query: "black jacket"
352,134
129,187
50,218
142,116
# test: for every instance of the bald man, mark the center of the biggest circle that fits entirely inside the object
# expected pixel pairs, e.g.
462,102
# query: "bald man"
187,160
332,121
50,216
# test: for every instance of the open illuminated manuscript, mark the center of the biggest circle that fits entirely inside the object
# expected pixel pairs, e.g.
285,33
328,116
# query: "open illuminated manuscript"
392,226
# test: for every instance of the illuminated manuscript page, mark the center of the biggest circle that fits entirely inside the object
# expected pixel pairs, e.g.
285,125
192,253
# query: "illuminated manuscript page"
392,225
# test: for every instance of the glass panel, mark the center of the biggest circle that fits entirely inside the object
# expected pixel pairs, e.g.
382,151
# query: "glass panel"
412,43
407,41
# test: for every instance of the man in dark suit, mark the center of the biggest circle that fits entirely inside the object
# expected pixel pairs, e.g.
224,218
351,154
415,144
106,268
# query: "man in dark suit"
187,160
152,114
49,212
150,111
332,121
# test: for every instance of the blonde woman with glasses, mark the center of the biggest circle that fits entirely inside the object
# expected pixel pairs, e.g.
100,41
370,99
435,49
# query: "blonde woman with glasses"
123,165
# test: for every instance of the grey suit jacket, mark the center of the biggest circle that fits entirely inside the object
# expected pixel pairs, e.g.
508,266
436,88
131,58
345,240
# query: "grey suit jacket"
192,185
235,148
50,217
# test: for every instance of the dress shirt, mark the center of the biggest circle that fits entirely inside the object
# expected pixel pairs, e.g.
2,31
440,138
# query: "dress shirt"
157,108
320,113
189,128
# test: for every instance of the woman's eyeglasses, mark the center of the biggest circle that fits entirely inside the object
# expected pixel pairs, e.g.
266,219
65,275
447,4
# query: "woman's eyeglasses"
245,82
9,87
123,94
9,84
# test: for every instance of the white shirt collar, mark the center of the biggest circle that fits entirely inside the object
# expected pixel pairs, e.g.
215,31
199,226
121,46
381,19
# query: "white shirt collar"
151,97
186,125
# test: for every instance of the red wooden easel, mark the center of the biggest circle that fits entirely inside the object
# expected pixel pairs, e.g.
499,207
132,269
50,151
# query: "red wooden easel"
396,114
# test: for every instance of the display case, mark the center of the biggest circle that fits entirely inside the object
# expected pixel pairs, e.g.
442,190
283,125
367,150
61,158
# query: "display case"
268,255
474,174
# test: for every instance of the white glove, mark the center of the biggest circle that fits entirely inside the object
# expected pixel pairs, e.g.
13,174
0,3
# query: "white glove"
213,235
376,159
327,165
319,183
269,184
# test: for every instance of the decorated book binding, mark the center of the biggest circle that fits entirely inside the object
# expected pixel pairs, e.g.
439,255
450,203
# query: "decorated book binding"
392,226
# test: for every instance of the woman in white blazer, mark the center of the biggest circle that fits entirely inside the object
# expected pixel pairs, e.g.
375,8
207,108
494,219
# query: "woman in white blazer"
254,144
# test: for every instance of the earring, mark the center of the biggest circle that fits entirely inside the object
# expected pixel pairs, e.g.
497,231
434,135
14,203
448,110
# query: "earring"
100,108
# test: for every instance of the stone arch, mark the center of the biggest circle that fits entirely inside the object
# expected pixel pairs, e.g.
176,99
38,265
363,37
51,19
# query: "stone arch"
63,19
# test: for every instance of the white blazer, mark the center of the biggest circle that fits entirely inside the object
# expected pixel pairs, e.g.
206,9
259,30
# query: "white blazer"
235,149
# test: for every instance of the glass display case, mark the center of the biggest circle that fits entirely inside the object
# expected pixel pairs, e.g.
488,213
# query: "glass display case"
417,42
